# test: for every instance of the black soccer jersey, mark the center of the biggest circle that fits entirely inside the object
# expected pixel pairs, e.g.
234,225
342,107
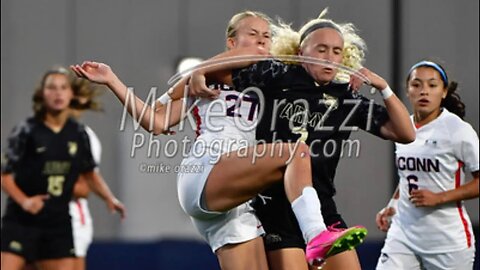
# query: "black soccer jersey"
46,162
328,113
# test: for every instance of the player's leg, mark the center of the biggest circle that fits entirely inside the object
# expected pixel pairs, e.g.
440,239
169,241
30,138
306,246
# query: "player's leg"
346,260
12,261
82,230
17,245
56,264
247,255
79,263
236,178
56,251
287,259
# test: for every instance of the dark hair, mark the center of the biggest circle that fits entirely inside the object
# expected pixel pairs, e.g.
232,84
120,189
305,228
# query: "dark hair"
452,102
84,93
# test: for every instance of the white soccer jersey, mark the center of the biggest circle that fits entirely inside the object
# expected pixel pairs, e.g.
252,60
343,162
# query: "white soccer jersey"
223,124
95,145
81,219
436,161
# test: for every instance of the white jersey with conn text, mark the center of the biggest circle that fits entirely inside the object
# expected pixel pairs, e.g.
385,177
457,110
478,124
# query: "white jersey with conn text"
437,160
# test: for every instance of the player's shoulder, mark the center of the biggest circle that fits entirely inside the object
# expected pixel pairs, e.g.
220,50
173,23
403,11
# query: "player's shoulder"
455,125
25,127
76,126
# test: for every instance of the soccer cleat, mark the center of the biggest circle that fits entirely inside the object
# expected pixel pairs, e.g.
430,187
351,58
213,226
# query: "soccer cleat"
333,241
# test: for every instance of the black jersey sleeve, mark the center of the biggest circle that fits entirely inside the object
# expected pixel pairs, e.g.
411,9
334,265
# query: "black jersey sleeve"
87,163
16,147
260,74
370,120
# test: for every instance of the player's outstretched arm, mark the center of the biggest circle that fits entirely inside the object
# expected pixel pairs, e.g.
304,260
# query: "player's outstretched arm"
219,68
102,73
398,128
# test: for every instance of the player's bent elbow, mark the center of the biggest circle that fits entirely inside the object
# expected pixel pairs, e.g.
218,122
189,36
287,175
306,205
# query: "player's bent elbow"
410,137
157,130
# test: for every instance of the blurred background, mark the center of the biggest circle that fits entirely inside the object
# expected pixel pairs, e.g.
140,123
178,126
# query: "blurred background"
143,42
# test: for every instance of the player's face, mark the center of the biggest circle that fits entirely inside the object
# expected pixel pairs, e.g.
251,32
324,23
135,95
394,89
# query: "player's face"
57,93
425,90
251,31
326,44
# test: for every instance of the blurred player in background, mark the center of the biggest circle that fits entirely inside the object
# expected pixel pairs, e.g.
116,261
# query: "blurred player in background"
430,228
82,223
45,156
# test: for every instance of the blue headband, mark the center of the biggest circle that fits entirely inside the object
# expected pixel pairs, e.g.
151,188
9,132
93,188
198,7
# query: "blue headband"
432,65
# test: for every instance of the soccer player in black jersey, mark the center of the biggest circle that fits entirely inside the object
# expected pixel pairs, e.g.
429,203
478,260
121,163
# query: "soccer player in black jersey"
303,102
45,156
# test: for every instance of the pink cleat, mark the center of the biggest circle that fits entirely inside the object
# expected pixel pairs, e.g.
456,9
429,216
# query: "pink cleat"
333,241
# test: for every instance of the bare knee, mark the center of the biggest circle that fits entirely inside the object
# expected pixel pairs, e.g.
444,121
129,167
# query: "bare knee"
287,259
11,261
303,151
345,260
292,151
232,256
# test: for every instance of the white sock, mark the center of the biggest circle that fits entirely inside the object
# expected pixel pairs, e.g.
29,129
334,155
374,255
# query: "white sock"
309,216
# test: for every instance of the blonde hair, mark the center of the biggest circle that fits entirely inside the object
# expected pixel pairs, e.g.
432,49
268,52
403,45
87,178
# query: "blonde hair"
287,41
231,30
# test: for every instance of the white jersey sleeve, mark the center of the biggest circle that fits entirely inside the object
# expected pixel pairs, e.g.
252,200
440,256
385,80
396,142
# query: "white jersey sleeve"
95,145
466,146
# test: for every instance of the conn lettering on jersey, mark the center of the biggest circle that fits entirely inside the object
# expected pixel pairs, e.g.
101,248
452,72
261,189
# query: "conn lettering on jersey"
418,164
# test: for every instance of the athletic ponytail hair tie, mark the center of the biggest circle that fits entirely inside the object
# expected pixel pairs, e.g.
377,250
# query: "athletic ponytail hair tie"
431,64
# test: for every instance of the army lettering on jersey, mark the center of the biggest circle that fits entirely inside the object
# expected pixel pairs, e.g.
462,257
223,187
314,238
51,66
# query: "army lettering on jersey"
46,162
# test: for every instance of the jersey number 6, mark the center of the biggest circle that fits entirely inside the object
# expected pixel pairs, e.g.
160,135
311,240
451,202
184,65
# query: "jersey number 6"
412,183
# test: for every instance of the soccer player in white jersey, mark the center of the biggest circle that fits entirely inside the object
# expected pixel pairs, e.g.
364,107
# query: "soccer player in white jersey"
430,228
217,206
81,219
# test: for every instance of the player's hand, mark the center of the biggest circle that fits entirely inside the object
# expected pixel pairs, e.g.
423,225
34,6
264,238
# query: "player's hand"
423,198
384,218
34,204
96,72
373,80
115,205
197,87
